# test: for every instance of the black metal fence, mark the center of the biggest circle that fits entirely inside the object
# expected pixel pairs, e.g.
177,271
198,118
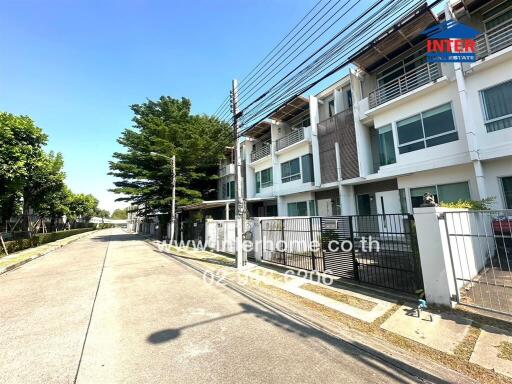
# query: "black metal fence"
480,245
375,249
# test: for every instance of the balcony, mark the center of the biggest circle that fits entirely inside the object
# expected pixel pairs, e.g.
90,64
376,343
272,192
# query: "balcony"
292,138
225,170
260,153
409,81
494,40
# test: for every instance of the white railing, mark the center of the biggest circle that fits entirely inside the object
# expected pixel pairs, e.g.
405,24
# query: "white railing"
227,169
494,40
292,138
409,81
264,151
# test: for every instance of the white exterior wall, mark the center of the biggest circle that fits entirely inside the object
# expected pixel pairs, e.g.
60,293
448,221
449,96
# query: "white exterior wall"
297,197
443,155
492,71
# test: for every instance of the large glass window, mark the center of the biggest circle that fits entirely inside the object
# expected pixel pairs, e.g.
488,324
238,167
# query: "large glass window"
229,190
312,208
442,193
307,169
290,170
428,129
271,210
506,184
263,179
299,208
386,146
497,103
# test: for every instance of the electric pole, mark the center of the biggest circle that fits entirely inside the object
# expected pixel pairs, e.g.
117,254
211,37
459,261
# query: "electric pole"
239,203
173,207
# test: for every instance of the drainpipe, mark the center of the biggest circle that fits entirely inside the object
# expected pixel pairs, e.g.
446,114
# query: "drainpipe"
338,170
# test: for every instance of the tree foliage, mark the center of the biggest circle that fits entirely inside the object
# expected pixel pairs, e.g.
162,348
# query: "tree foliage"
31,180
167,127
120,214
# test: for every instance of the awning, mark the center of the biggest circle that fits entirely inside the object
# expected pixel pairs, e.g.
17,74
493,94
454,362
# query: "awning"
292,109
258,130
403,35
207,204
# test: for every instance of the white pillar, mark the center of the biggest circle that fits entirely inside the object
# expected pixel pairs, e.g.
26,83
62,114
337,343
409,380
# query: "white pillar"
348,202
436,264
315,148
363,142
338,101
480,179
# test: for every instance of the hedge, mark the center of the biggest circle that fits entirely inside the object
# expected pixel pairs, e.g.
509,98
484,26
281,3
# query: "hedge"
39,239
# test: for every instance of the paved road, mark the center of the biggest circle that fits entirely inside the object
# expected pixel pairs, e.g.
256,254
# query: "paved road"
109,309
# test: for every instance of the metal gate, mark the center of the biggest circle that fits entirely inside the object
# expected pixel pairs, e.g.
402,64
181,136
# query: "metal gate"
480,244
380,250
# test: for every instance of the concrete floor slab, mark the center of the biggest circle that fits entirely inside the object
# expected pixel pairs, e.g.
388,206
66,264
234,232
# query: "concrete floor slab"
487,350
443,333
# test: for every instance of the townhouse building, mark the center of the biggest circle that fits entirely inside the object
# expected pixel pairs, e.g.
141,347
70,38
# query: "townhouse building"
443,128
396,127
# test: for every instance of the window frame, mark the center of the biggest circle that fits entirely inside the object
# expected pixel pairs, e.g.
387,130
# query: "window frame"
502,190
485,111
436,185
390,129
291,177
425,139
306,203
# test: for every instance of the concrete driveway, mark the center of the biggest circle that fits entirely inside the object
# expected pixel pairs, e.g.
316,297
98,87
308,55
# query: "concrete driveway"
109,309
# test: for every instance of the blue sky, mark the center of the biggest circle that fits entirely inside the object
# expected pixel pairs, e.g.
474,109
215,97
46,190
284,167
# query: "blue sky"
75,66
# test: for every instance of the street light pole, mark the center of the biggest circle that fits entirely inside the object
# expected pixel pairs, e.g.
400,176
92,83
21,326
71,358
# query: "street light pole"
239,204
173,207
173,183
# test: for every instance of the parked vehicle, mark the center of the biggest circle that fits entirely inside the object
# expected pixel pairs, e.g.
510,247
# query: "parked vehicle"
502,229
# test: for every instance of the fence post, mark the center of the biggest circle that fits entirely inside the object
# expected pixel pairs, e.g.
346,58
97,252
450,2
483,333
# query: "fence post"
354,260
282,238
311,242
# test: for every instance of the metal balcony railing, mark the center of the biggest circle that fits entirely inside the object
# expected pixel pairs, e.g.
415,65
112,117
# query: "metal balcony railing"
264,151
227,169
292,138
494,39
409,81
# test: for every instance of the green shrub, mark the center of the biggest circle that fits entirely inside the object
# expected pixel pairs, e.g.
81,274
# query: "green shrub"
40,239
476,205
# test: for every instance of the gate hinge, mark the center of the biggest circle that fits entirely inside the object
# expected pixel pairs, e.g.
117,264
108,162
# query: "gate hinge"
441,216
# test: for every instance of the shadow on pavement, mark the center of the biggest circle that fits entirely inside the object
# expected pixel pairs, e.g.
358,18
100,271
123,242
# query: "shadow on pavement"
117,237
397,370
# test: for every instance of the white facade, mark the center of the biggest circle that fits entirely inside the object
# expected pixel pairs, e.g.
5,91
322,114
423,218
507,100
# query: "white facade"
462,161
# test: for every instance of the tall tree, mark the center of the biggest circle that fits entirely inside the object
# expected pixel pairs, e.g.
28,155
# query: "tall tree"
21,143
43,189
167,127
120,214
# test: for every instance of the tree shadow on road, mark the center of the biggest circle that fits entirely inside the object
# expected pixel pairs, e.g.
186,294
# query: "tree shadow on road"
396,370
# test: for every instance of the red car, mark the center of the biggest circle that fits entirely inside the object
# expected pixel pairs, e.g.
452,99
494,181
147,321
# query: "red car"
502,229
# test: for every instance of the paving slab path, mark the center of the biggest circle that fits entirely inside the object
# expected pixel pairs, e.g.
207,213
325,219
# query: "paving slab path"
110,309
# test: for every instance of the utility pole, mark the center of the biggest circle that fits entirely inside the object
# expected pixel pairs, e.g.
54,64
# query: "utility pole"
239,203
173,207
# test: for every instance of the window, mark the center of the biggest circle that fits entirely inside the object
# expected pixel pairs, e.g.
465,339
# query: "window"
498,15
230,190
506,184
409,63
403,201
497,103
428,129
312,208
386,146
445,193
263,179
290,170
299,208
307,169
331,107
271,210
